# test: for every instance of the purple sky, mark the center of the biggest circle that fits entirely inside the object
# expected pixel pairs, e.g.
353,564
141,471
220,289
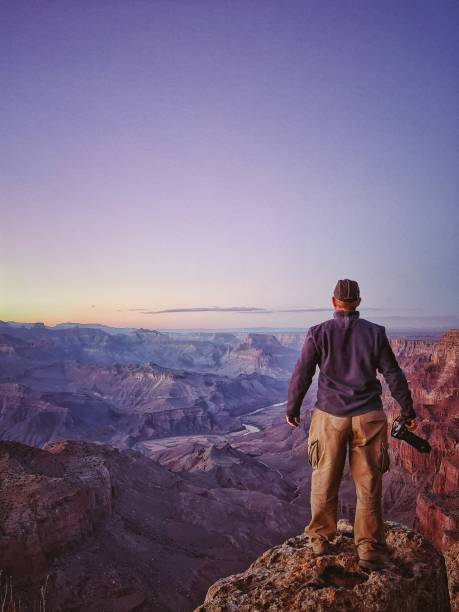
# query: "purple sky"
177,155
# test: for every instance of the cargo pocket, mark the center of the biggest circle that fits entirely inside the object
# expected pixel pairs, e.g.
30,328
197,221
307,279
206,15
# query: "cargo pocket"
384,463
313,453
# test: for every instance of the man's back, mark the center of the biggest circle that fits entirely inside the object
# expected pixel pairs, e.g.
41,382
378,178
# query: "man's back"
349,351
348,419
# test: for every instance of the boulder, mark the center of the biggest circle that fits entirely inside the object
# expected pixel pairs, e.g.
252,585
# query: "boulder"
289,577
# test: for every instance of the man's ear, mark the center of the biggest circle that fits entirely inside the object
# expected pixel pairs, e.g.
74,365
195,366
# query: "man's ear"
333,301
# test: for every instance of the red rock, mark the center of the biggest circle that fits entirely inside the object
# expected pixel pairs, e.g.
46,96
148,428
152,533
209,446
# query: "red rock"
433,379
452,568
437,517
447,479
290,577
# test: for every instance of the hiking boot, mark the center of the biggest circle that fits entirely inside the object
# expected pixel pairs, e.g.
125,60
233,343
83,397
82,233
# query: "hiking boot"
371,565
320,547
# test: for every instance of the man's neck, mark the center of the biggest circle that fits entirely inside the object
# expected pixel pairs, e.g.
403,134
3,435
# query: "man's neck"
343,312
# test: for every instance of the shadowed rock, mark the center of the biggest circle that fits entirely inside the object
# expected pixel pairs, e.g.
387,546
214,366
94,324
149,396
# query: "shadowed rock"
112,530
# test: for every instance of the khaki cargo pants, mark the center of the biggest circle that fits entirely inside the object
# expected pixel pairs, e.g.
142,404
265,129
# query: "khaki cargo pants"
328,440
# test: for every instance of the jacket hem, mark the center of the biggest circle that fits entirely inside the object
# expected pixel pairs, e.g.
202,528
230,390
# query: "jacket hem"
349,413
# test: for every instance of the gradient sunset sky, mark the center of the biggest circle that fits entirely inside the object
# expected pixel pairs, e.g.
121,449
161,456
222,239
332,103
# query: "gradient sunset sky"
180,164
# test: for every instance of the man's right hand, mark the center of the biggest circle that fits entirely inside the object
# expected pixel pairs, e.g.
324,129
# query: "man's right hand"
410,424
293,421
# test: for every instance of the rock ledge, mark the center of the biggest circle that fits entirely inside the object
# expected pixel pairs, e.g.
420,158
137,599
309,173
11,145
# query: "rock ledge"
289,577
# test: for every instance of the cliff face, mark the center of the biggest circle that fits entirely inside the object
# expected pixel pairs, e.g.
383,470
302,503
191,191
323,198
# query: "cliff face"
433,375
437,509
290,577
442,373
437,517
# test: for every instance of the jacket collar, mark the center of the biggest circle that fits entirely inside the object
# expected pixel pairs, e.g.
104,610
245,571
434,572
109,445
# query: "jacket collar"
339,314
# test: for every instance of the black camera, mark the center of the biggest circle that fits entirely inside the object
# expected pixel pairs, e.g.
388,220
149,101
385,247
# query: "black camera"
400,431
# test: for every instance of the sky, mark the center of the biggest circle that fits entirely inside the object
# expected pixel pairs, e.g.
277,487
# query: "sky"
205,164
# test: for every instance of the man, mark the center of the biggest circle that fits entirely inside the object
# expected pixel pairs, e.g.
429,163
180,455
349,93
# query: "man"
348,413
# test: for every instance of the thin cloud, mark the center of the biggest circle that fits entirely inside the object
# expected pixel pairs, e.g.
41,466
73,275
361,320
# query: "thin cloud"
240,309
208,309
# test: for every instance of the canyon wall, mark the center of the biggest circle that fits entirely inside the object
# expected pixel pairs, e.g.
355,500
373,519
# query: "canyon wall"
433,375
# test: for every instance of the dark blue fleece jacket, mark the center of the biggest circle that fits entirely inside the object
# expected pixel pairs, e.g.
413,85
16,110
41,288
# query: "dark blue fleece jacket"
349,351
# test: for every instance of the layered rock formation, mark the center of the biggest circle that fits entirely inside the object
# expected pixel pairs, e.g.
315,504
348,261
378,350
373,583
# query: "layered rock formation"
127,404
114,530
124,388
290,577
24,347
437,517
433,376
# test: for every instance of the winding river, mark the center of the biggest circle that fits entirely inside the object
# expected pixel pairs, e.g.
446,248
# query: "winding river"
171,441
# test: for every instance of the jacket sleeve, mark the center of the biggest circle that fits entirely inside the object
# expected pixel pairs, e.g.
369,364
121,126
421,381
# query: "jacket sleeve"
395,378
302,375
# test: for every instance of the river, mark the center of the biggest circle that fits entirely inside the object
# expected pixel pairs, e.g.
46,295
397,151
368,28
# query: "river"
171,441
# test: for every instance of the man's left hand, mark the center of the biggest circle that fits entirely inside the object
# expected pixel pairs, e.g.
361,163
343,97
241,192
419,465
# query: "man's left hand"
293,421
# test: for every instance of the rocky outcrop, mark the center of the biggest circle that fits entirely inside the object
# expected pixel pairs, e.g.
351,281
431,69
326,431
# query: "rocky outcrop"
289,577
114,530
47,506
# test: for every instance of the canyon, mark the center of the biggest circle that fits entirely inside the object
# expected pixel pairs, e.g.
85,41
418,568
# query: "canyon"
88,384
118,449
